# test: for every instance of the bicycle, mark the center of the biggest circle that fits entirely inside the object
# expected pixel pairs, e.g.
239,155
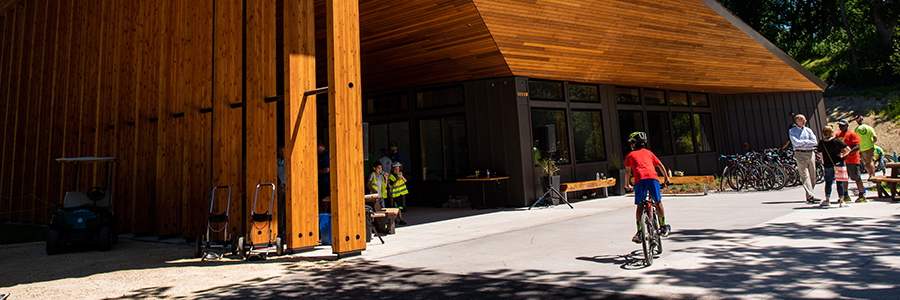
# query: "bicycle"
651,236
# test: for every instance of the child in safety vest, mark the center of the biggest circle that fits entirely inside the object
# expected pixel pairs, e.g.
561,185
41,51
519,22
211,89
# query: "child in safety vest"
378,182
397,190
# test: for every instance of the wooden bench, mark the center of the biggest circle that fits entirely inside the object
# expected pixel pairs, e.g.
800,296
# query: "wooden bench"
565,188
703,179
892,184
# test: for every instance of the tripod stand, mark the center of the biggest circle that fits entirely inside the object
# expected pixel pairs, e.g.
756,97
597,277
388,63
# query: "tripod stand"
553,190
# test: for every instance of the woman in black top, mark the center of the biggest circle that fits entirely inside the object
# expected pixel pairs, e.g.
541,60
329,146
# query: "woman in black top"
833,152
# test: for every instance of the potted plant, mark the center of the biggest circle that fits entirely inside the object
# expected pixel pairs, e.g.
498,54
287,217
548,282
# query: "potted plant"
550,171
617,171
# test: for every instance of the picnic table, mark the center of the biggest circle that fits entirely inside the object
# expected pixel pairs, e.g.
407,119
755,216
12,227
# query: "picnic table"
890,180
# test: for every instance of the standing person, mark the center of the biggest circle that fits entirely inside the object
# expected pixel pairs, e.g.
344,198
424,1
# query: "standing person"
879,161
324,176
378,182
804,141
867,140
852,161
642,162
396,157
834,152
397,190
282,183
385,160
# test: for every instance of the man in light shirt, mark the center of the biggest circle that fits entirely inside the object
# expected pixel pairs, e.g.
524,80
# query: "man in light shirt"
804,141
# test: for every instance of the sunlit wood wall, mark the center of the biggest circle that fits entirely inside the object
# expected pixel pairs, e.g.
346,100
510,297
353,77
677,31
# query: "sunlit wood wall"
175,89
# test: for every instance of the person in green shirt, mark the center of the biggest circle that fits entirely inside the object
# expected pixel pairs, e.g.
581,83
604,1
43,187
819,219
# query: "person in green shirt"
867,140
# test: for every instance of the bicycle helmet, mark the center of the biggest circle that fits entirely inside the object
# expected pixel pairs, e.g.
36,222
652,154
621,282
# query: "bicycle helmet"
637,136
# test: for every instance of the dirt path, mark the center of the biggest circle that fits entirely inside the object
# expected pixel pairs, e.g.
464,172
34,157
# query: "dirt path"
133,269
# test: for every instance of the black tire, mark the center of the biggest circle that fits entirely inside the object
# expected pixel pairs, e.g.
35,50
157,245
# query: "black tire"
733,176
780,177
657,235
198,247
240,248
645,237
768,176
53,245
234,248
104,239
820,173
279,247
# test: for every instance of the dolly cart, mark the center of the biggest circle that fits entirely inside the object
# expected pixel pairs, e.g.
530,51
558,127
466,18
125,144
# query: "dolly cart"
203,244
246,249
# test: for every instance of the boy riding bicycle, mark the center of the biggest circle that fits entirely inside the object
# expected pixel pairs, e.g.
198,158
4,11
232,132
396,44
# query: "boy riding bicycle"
642,162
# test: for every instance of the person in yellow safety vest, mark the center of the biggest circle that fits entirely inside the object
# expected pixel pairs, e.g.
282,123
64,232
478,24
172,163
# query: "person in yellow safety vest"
378,182
879,161
397,190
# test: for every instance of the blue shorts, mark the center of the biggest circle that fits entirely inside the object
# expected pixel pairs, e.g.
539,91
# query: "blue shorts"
641,188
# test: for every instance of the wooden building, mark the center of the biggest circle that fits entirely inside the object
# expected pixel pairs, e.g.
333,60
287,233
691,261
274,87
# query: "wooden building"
191,94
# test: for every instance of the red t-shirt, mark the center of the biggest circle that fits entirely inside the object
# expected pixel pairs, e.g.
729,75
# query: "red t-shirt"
851,139
644,163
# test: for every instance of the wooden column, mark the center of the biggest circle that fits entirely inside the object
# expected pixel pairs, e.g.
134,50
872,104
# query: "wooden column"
6,103
345,127
38,120
60,90
300,124
124,181
260,145
149,42
170,138
45,166
198,126
227,80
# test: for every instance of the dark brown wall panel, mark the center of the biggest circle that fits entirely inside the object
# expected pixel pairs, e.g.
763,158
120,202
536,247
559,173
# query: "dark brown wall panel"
24,18
169,150
198,126
260,116
45,166
127,113
108,113
90,92
148,95
7,40
35,121
227,121
24,157
60,90
71,146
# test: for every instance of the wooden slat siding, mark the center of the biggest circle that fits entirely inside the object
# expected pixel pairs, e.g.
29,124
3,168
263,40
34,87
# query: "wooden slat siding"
149,51
90,94
170,136
6,41
45,165
24,21
73,94
35,121
198,127
345,126
108,108
300,124
703,49
61,79
125,181
260,145
399,38
227,121
26,156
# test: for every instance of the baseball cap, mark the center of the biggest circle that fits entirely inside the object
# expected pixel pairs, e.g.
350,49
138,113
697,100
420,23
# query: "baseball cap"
393,144
843,122
396,165
858,118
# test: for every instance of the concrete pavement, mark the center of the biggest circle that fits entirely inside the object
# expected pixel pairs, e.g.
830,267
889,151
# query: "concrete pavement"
726,245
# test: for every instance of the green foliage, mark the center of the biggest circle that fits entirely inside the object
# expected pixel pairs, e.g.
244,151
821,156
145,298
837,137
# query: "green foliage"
892,109
548,168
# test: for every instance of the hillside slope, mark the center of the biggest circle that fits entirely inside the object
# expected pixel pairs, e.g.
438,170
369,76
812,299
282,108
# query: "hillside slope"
846,107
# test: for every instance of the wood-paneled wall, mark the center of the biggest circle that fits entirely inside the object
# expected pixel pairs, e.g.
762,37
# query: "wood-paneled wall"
763,119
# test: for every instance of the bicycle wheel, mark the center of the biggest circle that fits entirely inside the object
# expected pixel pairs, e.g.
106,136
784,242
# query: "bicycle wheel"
656,233
756,179
646,239
820,173
768,176
780,177
732,176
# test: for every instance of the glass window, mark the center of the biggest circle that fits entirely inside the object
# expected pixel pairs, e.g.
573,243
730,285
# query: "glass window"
387,104
703,129
683,133
549,131
654,97
678,98
629,121
701,100
441,97
589,142
627,95
545,90
658,133
582,92
444,152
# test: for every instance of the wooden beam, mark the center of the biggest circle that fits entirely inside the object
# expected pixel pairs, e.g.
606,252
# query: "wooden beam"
126,169
300,124
198,126
260,81
345,127
227,126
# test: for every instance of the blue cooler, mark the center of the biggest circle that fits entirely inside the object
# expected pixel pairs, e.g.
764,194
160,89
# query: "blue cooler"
325,229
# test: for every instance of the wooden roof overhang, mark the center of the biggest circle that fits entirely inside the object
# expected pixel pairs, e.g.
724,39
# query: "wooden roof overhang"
693,45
